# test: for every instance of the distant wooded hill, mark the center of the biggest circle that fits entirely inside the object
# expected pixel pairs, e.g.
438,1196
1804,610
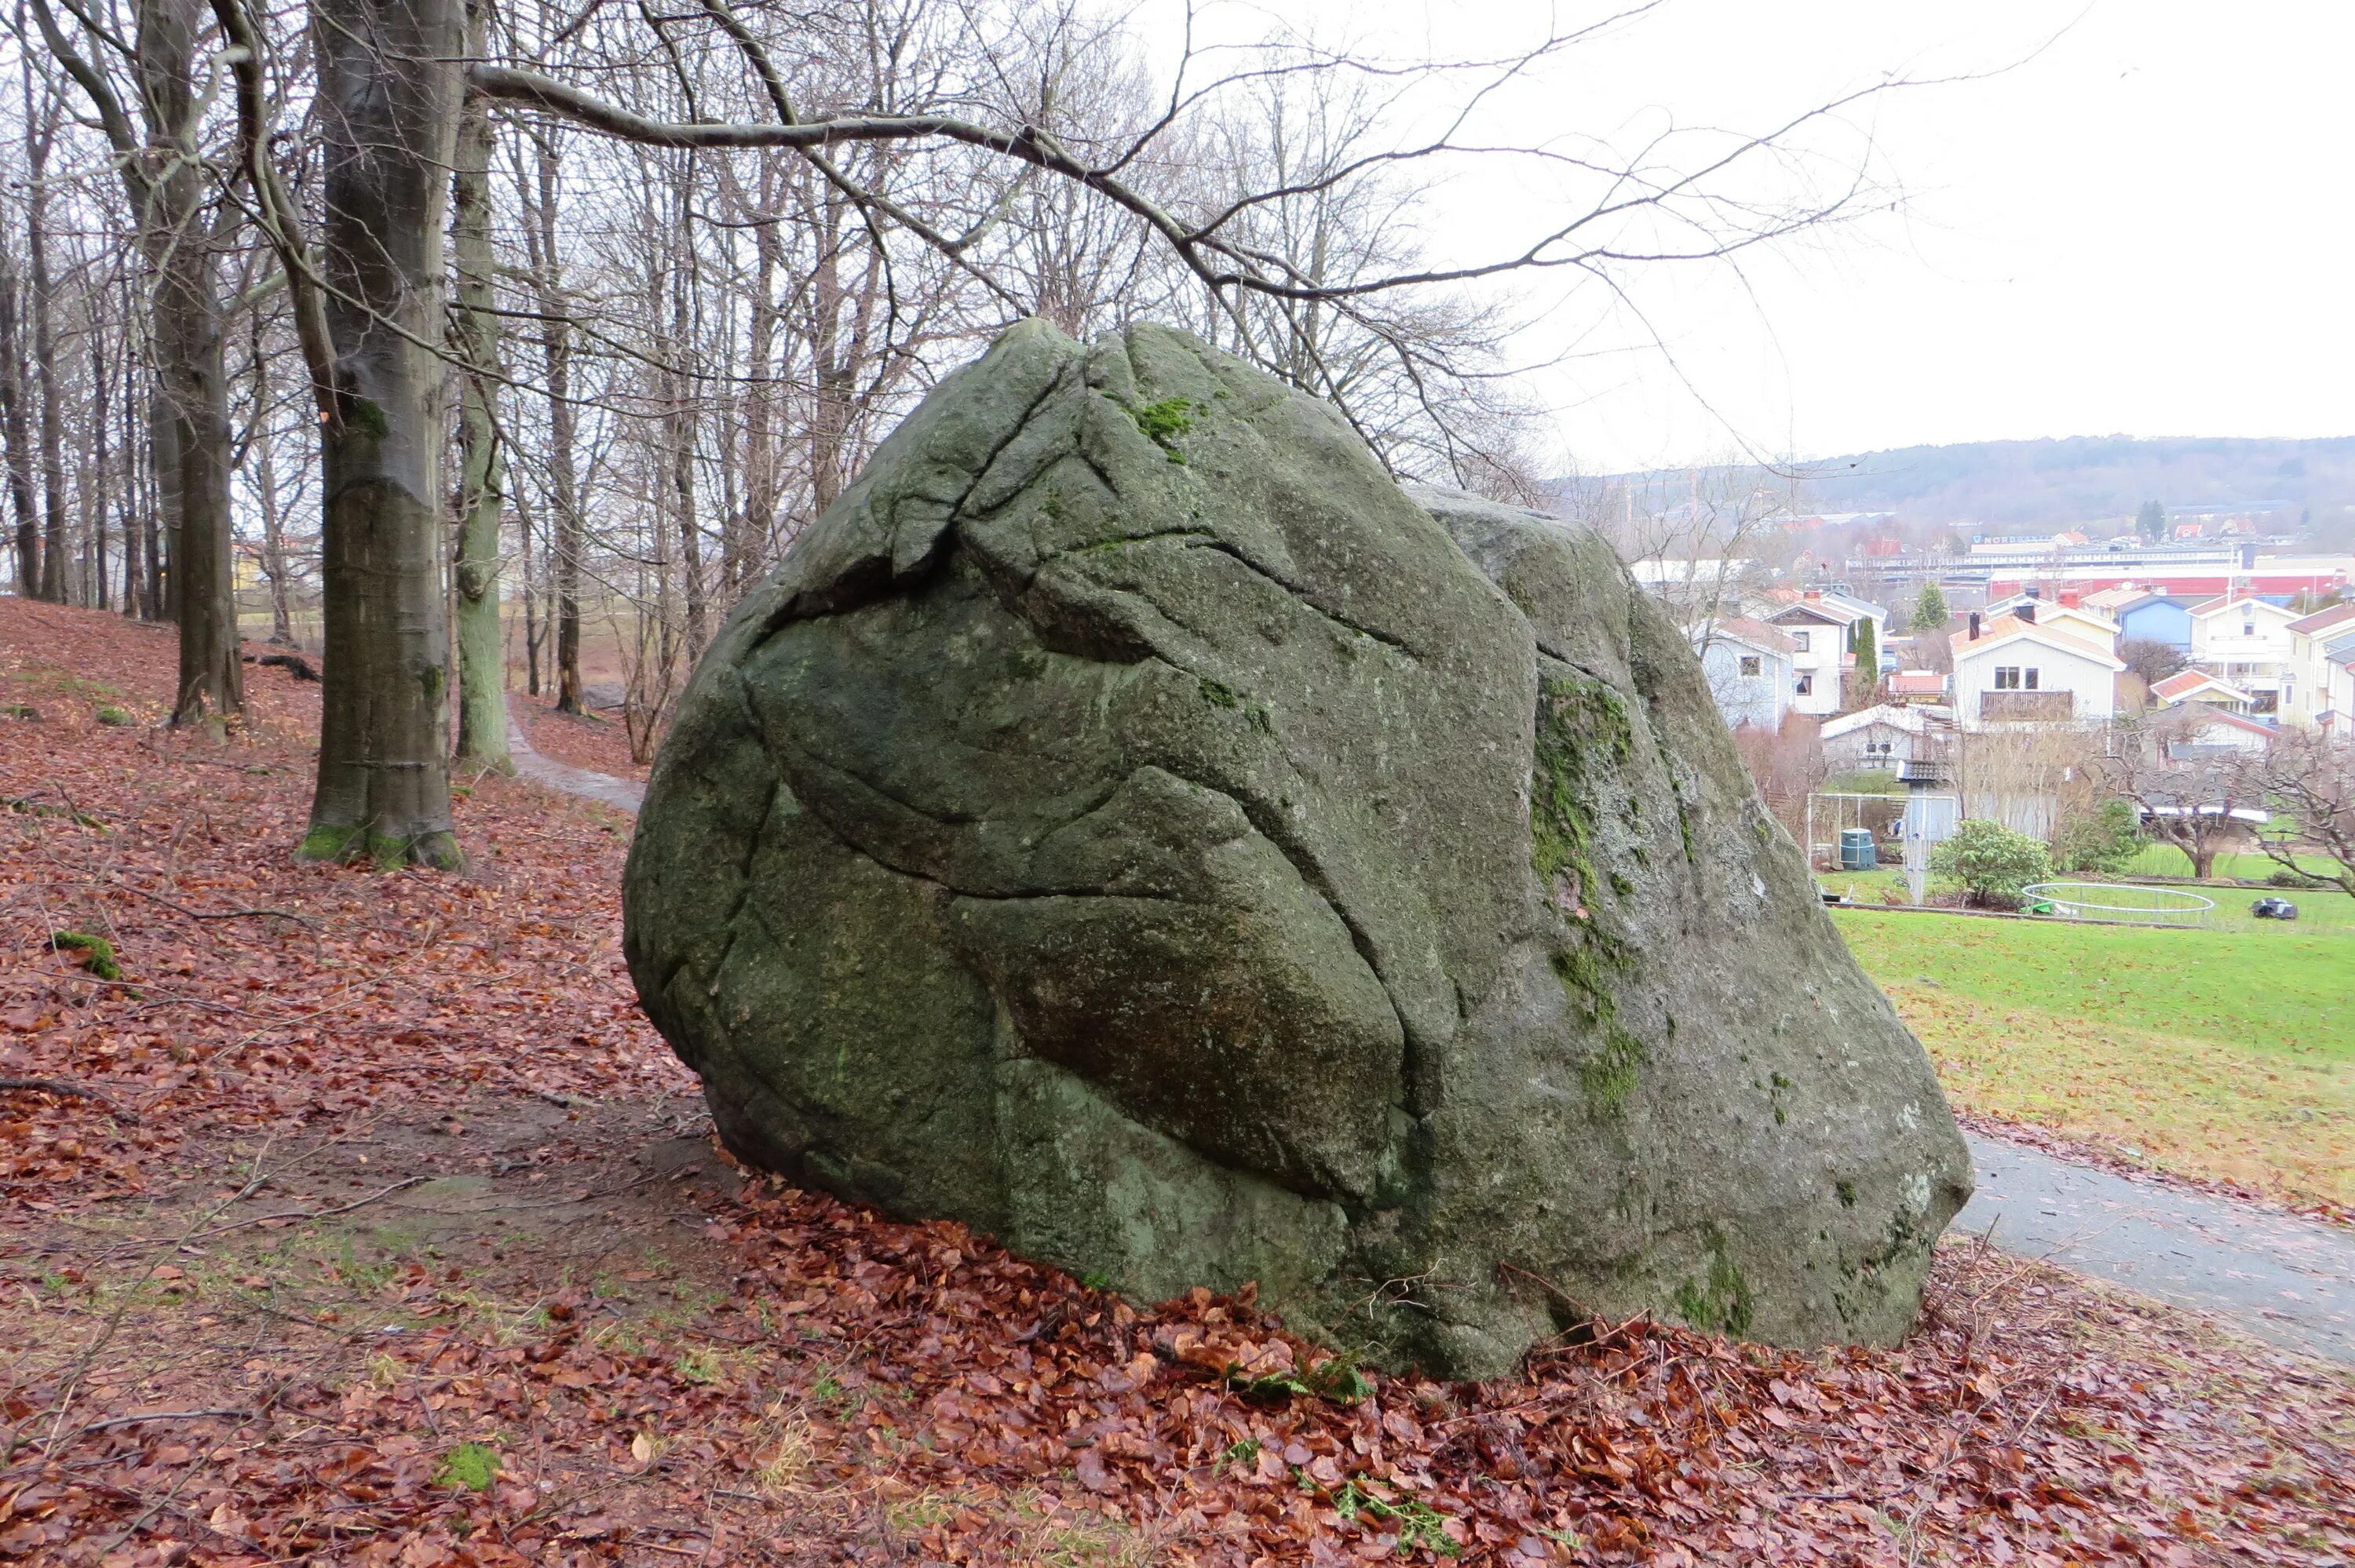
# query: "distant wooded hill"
2078,478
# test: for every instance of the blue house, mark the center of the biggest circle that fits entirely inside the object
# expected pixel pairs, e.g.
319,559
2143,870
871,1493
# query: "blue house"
2159,617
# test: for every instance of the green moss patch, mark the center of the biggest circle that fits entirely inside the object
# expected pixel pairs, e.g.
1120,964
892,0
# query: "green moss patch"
1164,421
1610,1076
97,952
1582,729
1719,1302
473,1466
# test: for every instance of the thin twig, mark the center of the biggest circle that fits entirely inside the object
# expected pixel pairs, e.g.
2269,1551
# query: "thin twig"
79,1091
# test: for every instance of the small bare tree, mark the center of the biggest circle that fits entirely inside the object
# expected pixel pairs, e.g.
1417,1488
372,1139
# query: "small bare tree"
2308,778
2202,804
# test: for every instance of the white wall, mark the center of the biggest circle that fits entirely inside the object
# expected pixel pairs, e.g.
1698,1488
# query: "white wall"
2090,683
1820,660
1761,699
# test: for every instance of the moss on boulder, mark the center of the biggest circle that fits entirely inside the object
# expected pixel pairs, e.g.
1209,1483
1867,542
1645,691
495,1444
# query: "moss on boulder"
1242,868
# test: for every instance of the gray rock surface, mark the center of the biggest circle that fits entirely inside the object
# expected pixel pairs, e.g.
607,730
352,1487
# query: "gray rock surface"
1132,825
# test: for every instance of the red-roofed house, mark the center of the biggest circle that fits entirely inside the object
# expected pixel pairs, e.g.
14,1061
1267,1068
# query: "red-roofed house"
2199,686
1914,688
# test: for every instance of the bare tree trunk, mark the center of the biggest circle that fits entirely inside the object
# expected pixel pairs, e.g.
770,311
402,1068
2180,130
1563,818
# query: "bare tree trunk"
16,429
101,459
533,625
194,380
389,103
682,432
167,186
127,509
564,482
54,557
482,486
163,490
275,569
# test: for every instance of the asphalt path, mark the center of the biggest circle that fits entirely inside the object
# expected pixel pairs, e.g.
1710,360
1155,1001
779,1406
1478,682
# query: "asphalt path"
2279,1276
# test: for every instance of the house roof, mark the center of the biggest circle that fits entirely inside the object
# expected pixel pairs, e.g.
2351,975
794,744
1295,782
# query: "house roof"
2225,601
2197,717
1754,634
1831,606
1916,684
2180,686
1912,721
2006,628
2324,620
2052,610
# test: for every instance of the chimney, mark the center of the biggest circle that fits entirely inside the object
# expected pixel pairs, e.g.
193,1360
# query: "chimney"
2027,612
2070,598
1815,593
1974,625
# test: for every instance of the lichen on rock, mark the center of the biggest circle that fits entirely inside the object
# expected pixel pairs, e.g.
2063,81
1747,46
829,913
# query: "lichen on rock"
1241,868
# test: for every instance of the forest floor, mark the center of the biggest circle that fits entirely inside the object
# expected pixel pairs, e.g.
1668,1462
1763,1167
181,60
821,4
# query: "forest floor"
360,1217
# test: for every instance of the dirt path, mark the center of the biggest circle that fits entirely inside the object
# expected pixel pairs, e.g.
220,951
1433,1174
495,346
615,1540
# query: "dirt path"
533,765
2289,1280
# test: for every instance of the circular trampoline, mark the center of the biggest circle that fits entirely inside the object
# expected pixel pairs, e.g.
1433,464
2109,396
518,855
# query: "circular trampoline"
2116,901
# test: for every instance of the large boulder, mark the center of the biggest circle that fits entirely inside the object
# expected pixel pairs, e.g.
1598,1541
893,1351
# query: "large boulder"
1131,824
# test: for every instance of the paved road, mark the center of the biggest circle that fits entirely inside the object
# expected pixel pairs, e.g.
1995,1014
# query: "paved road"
2284,1278
2289,1280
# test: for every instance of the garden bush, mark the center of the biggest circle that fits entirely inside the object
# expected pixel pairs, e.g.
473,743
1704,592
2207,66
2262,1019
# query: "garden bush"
1992,862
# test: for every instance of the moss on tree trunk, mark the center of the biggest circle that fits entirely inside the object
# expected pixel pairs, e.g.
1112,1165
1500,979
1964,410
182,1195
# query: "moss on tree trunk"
388,89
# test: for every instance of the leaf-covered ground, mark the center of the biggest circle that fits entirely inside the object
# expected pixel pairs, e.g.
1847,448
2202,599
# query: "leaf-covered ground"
363,1220
598,742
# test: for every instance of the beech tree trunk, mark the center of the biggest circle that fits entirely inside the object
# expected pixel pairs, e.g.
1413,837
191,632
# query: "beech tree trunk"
193,392
188,413
54,557
566,530
16,429
389,93
482,491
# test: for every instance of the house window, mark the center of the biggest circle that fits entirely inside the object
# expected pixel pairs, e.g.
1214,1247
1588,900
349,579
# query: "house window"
1750,663
1805,683
2014,678
1800,638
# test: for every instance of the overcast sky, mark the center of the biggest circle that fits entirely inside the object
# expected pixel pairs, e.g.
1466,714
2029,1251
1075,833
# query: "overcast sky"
2148,228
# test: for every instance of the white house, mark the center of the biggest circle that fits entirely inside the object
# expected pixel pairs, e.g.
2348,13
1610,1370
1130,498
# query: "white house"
2017,672
2339,670
1750,670
1881,736
2245,641
1821,623
2307,687
2197,685
2197,732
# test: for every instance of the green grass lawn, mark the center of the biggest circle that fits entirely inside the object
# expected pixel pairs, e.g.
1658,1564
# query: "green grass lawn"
2226,1052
